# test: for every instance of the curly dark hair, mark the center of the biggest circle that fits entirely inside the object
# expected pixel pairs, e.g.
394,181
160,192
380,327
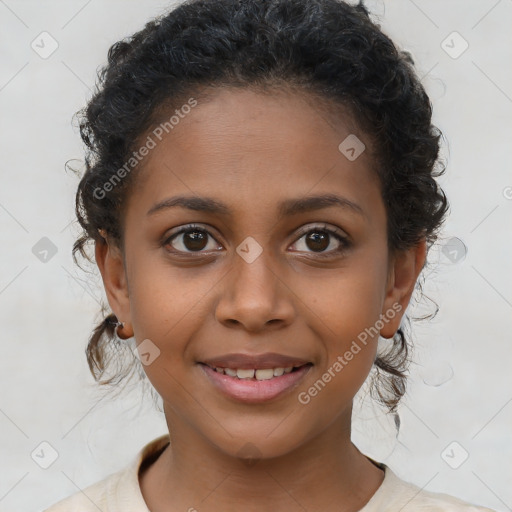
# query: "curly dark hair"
327,48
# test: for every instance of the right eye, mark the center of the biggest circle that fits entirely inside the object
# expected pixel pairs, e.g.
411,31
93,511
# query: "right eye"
190,239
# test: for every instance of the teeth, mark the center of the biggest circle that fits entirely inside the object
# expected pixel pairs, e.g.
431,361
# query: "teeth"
245,374
264,374
260,374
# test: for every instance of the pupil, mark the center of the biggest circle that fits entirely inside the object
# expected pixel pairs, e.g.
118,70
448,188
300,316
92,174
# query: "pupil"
318,239
194,240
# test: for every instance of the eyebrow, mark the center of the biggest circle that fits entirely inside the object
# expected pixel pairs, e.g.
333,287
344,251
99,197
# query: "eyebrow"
287,207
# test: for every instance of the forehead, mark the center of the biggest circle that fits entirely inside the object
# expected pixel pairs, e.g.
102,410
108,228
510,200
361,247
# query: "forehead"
244,146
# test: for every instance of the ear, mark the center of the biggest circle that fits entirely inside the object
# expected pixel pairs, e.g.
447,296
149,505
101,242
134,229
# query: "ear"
110,262
404,269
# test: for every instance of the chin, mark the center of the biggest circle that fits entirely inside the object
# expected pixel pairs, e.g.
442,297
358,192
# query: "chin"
257,444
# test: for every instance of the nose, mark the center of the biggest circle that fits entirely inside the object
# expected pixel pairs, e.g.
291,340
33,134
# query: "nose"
254,297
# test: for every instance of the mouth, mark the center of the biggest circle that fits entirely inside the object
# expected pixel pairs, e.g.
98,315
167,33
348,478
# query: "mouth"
255,379
256,374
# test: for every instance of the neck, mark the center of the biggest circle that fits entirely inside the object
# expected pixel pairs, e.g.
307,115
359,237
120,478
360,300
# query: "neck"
325,473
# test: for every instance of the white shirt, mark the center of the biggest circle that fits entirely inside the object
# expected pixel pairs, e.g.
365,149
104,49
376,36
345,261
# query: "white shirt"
120,492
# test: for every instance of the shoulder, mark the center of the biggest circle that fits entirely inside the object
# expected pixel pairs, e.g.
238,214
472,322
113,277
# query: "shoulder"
397,494
118,491
92,498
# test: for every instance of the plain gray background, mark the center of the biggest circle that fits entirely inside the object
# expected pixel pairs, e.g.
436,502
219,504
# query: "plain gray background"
459,398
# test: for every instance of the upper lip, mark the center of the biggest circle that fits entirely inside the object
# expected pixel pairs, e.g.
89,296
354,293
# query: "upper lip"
259,361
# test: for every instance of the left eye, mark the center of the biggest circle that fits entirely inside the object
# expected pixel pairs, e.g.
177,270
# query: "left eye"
319,239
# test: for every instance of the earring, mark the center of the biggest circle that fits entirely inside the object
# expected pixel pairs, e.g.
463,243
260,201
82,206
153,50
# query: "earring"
119,324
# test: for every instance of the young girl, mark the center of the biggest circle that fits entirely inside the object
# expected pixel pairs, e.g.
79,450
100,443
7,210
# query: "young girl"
260,188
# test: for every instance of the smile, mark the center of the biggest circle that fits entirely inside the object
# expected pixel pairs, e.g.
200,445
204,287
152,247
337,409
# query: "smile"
255,385
256,374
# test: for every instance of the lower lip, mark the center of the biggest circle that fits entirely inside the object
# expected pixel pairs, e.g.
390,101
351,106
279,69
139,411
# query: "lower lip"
255,391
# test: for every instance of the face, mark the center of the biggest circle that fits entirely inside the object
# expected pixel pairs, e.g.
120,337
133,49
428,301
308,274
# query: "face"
248,271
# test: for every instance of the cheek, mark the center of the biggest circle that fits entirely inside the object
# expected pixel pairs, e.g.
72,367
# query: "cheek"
344,311
166,308
166,311
347,301
165,299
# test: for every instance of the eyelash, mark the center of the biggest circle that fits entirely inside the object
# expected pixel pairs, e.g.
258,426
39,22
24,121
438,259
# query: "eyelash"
345,244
